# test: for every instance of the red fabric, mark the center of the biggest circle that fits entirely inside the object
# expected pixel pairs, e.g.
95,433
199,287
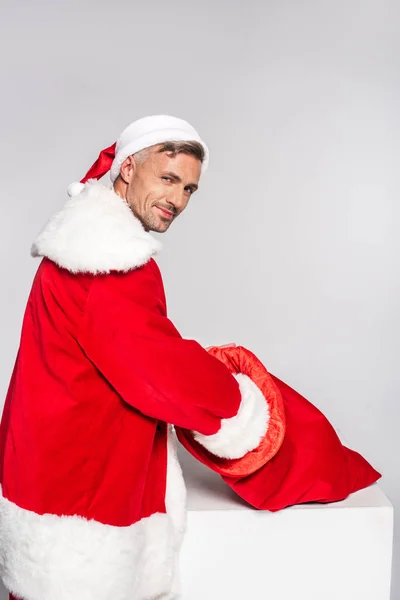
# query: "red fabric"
126,333
99,369
238,360
102,164
311,465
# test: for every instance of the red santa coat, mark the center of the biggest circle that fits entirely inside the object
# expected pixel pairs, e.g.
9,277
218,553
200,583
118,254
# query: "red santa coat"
93,501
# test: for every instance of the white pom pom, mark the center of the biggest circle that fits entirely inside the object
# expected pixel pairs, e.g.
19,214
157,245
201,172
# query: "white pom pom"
75,188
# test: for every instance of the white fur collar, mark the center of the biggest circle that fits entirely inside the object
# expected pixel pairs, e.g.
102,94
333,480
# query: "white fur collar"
96,232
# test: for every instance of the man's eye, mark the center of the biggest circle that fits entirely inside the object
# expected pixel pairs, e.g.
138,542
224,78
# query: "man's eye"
190,190
167,179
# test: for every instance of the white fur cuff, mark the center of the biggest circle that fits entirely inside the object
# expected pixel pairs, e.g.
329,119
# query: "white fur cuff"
243,432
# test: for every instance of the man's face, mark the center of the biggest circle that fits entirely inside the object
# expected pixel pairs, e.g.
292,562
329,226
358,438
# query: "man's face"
159,188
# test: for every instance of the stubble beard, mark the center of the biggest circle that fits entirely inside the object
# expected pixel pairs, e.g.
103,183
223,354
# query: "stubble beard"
152,223
149,221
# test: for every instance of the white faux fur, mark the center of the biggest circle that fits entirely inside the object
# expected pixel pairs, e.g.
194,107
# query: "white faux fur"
175,502
96,232
48,557
244,431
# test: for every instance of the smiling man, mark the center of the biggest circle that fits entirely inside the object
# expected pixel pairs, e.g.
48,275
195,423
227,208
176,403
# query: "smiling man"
158,182
92,502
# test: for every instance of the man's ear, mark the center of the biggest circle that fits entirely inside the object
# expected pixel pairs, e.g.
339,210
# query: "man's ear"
127,169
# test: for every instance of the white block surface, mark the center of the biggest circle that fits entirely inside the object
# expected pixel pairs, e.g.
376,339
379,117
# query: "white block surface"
339,551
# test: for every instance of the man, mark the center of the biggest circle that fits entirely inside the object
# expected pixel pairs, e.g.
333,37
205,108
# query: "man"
93,500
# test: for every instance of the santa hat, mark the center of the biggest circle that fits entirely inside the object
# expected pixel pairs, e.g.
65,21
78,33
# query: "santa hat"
140,134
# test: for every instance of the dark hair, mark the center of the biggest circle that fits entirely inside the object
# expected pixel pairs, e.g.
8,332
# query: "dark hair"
192,148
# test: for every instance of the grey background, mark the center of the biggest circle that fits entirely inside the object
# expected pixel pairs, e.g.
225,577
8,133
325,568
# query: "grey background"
291,247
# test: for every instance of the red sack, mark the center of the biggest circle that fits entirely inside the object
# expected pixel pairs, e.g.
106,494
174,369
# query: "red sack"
301,458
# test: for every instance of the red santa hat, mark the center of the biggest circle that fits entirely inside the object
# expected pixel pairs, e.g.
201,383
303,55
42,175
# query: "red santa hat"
140,134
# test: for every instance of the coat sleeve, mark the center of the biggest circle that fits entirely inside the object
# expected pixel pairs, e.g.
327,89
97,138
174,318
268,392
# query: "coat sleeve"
126,334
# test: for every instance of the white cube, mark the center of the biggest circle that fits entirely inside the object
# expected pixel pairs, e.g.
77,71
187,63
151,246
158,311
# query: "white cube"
337,551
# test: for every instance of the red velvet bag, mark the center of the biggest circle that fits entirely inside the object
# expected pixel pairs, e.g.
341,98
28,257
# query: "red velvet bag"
301,459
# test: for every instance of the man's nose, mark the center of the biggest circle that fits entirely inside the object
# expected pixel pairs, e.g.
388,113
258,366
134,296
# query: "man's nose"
178,199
